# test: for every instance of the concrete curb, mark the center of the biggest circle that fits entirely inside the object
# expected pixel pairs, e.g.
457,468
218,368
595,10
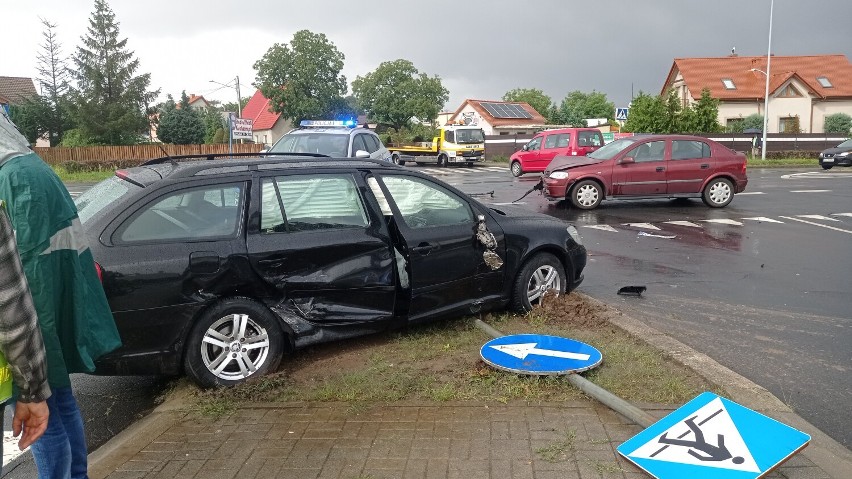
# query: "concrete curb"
826,453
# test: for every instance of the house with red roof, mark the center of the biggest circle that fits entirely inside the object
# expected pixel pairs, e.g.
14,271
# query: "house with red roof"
198,102
803,90
267,126
498,117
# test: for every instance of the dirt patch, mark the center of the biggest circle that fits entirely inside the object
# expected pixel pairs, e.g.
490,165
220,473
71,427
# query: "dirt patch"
572,309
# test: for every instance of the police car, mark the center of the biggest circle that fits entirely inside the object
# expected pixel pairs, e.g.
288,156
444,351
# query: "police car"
337,139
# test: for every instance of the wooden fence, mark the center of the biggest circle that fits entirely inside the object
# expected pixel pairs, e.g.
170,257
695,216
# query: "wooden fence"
124,154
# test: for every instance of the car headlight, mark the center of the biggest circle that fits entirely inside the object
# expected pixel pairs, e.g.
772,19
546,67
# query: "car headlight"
559,175
845,153
575,235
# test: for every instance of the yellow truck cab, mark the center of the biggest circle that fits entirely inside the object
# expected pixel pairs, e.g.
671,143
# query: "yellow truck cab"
459,144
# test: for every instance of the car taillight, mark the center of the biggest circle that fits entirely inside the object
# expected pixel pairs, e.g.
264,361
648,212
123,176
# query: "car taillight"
100,272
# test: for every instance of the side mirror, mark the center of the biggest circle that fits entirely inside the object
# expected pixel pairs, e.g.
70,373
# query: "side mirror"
362,154
627,160
525,147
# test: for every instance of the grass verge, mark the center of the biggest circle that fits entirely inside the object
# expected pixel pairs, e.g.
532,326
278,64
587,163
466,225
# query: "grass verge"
783,163
440,362
82,176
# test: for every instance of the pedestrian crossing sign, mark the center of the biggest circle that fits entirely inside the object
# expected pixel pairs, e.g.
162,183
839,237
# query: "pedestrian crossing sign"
713,438
621,114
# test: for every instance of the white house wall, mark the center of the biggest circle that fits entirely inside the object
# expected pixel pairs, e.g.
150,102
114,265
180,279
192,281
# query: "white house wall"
823,109
730,110
481,122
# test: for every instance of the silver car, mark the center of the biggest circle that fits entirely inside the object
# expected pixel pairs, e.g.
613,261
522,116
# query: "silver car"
333,138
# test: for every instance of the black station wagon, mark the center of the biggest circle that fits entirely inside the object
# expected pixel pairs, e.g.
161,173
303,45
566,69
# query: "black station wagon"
218,267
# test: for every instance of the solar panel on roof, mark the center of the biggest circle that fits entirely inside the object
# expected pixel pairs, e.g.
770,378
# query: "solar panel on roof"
505,110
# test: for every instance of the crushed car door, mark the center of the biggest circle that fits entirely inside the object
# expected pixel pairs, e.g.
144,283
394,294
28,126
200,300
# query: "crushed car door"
437,227
325,253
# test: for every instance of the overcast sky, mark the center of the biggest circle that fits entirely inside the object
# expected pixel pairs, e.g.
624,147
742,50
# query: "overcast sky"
479,49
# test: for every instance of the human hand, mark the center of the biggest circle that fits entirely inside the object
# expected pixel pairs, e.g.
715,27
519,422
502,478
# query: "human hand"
32,418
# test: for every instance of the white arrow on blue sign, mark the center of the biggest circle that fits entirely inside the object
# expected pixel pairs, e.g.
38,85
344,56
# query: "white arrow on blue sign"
539,354
713,438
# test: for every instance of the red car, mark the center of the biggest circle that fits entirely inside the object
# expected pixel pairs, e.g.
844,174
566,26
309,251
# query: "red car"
546,145
649,166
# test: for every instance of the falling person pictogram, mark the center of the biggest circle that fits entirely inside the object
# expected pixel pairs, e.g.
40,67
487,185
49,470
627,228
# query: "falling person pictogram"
715,453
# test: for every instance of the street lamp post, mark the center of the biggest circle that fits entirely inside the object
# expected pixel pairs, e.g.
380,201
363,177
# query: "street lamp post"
766,94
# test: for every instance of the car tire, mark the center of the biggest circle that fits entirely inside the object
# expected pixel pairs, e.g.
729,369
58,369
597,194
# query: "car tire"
586,195
212,365
539,274
718,193
397,161
442,161
516,169
826,167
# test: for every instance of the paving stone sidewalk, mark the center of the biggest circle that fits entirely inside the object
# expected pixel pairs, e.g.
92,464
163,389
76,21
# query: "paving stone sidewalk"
571,440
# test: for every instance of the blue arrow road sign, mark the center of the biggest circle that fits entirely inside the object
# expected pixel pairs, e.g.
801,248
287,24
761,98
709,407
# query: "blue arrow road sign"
539,354
621,114
713,438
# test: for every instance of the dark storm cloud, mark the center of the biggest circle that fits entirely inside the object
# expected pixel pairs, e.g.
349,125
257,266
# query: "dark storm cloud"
479,49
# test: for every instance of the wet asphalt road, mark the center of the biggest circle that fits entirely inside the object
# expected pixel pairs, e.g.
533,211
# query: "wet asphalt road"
766,297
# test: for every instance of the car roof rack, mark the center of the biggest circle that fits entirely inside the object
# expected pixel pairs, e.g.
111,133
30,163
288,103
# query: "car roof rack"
222,156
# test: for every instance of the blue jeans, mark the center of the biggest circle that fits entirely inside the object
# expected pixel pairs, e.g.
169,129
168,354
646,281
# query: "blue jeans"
61,452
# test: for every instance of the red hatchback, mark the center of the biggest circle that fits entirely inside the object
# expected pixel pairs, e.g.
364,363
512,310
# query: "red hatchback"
546,145
649,166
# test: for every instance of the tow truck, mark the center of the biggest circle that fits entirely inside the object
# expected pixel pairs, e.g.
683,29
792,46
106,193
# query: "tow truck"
455,144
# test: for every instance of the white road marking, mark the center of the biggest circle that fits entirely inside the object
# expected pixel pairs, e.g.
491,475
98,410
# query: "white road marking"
817,217
764,219
751,193
817,224
647,226
684,223
810,191
724,221
602,227
10,448
841,214
642,233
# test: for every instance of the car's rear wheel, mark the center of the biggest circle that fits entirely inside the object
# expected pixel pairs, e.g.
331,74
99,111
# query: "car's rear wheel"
826,167
542,273
232,341
397,160
586,195
718,193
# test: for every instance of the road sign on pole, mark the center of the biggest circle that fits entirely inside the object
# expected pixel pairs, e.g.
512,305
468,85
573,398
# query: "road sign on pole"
621,114
242,128
713,438
539,354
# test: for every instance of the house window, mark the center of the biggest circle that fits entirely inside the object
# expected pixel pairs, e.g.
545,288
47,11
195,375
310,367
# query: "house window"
824,81
789,91
789,124
734,124
729,84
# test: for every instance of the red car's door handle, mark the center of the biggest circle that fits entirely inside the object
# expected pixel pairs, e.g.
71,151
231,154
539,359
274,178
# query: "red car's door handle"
704,166
661,168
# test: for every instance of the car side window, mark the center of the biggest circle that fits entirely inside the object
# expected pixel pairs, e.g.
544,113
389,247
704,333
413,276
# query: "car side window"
550,141
304,203
358,144
373,144
589,138
191,214
534,144
424,204
563,140
684,150
651,151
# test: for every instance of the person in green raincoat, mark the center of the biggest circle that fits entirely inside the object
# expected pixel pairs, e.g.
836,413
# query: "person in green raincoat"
73,314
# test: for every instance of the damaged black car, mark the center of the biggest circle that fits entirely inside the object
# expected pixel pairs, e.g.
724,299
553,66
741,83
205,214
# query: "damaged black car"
218,268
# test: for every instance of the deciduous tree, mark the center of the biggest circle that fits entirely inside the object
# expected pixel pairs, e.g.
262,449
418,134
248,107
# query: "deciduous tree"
577,106
533,96
302,80
396,91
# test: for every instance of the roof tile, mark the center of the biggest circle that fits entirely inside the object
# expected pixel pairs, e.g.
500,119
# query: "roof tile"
259,109
17,89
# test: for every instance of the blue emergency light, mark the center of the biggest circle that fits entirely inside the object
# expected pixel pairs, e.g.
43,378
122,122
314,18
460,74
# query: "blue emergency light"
326,123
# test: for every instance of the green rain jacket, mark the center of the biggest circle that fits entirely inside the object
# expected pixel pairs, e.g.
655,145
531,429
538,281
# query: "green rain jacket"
75,319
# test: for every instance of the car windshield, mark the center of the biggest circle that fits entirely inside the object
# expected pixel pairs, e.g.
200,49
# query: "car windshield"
611,149
845,144
107,192
331,144
470,136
